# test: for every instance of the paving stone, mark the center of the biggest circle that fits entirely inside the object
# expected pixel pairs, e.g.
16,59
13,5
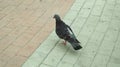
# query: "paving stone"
100,61
84,12
78,24
65,64
96,37
114,60
83,39
89,4
2,63
77,5
109,33
71,15
106,48
90,49
92,20
117,46
115,53
100,2
97,10
32,63
87,30
102,26
113,65
83,61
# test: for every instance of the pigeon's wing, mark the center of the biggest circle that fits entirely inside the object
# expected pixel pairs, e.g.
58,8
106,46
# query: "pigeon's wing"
72,34
70,30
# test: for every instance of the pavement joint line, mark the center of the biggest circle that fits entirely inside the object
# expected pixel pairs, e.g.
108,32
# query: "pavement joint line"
78,12
87,18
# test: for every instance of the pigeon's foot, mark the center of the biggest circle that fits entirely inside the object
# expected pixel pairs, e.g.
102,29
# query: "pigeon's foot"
64,42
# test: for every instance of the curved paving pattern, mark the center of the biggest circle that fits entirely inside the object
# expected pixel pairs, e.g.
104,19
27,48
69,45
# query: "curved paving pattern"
24,25
96,24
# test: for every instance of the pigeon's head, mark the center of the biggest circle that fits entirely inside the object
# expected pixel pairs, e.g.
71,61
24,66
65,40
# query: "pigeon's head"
57,17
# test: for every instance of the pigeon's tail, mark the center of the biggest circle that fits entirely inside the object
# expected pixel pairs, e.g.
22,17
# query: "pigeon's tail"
75,43
76,46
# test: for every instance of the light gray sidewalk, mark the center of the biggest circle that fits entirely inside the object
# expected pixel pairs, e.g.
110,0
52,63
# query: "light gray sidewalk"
97,25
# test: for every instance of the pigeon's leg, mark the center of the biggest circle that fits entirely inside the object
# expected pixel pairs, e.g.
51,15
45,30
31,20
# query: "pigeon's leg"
65,42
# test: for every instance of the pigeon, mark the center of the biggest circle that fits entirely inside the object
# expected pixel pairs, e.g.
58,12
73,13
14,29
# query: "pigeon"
64,31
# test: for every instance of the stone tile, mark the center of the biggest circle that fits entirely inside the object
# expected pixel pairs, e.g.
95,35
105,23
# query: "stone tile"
84,12
100,61
90,49
65,64
110,32
106,48
96,37
113,65
102,27
83,61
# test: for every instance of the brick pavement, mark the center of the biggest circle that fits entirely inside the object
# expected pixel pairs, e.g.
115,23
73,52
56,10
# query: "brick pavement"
24,25
97,25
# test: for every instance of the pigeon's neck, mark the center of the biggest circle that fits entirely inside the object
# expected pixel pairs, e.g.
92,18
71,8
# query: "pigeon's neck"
58,21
